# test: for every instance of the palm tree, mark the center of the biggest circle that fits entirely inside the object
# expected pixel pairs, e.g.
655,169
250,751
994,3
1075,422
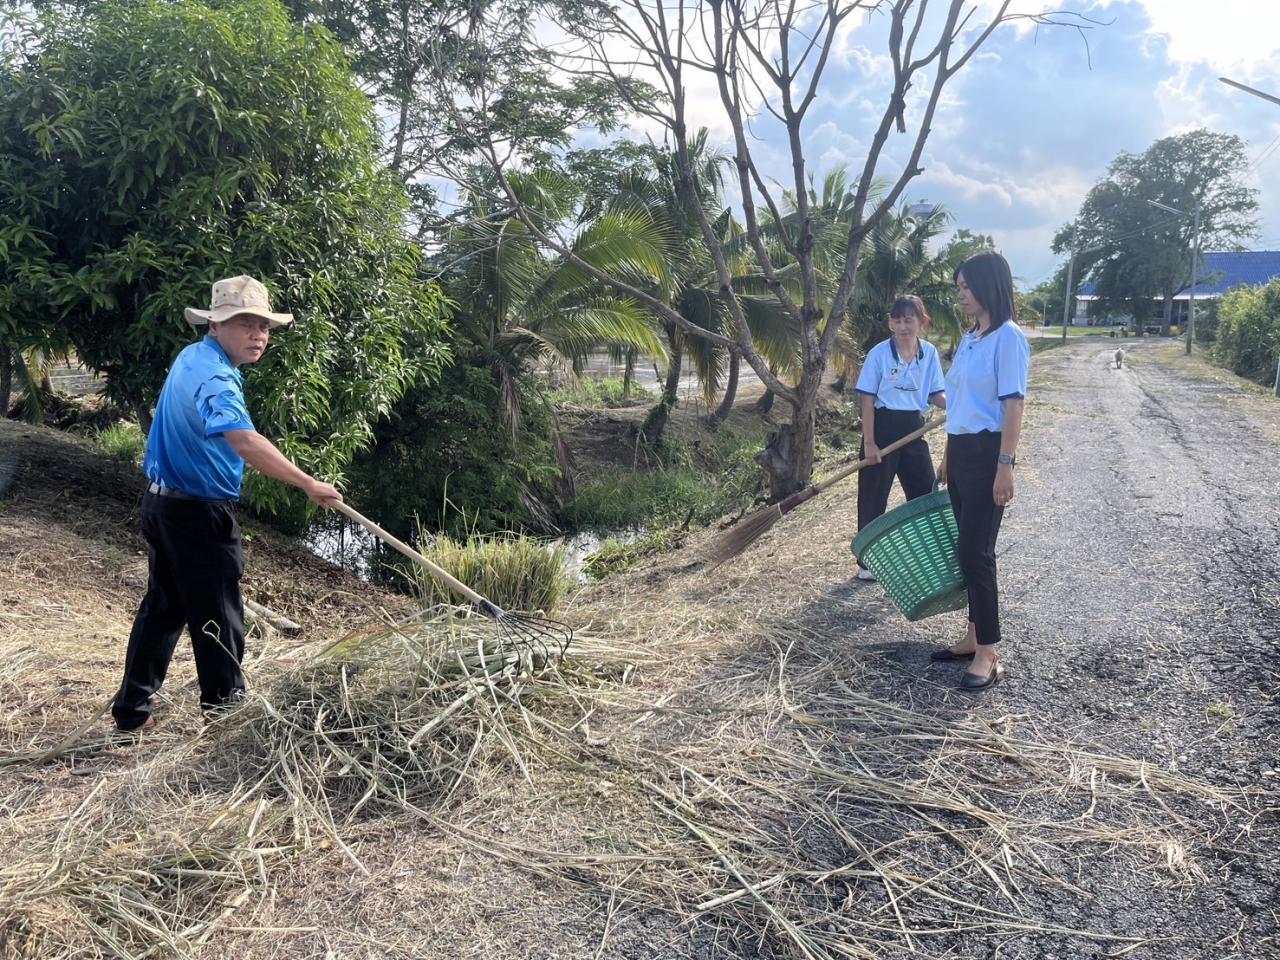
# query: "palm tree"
693,291
524,311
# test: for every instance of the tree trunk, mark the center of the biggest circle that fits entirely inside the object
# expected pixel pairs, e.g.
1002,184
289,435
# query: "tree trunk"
788,454
765,403
143,414
6,379
730,388
1167,320
656,422
628,375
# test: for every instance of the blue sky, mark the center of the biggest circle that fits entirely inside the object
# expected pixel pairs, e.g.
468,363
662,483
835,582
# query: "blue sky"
1033,121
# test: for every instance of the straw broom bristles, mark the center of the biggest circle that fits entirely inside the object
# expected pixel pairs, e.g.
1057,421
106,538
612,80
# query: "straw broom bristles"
748,531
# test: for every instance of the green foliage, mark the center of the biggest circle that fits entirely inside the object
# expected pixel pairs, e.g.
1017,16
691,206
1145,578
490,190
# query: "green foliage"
1136,252
687,489
604,392
515,572
615,555
1248,334
443,457
449,76
125,441
149,148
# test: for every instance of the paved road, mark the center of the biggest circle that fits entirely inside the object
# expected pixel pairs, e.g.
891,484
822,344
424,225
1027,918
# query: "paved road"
1142,577
1140,592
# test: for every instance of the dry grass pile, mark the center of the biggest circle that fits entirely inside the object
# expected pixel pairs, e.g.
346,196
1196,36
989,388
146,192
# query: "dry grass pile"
159,854
786,812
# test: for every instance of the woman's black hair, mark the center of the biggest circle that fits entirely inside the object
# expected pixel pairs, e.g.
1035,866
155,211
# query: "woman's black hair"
910,304
991,282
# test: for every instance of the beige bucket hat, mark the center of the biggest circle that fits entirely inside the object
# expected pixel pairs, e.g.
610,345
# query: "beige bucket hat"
234,296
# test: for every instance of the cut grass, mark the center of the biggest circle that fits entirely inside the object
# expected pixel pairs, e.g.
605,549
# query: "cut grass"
124,441
514,571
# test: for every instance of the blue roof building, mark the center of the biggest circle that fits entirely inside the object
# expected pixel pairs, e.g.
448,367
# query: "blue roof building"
1220,272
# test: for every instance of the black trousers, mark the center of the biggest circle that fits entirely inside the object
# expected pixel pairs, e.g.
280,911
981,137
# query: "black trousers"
194,565
911,464
971,474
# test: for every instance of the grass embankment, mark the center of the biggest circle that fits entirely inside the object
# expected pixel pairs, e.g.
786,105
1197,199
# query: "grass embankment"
700,472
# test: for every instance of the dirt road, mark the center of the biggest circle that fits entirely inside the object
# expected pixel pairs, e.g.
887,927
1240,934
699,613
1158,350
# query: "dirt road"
1140,570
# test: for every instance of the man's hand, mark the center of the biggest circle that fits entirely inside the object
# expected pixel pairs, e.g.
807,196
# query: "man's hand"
871,452
1002,489
942,470
325,494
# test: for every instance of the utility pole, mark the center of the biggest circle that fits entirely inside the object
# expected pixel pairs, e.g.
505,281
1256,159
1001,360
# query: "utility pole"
1195,276
1195,261
1066,306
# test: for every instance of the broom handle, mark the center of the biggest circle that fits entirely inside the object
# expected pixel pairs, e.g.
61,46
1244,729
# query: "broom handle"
933,424
440,574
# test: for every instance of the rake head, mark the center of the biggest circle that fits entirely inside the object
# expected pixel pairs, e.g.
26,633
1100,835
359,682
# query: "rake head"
536,640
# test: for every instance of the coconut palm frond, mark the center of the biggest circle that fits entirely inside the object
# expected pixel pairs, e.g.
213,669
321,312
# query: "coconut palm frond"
605,320
706,310
627,243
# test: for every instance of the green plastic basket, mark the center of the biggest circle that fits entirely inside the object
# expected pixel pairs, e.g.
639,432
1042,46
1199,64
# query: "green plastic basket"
912,552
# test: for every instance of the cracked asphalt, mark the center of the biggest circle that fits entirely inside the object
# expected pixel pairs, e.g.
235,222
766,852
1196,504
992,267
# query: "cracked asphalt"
1140,577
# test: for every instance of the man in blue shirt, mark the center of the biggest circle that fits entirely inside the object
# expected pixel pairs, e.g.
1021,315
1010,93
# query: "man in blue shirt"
197,447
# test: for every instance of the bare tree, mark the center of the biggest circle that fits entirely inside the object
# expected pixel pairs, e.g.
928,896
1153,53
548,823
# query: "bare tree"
767,58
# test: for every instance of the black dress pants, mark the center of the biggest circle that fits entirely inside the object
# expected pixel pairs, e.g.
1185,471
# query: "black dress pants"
194,565
912,464
971,469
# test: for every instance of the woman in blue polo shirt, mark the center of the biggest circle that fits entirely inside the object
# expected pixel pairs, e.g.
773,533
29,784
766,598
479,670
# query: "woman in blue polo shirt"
986,387
899,380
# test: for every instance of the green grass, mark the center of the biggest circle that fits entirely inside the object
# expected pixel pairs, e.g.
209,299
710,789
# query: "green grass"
515,572
1075,332
690,486
606,392
615,555
125,441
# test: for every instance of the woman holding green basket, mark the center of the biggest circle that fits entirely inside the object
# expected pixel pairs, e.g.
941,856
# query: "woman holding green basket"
986,389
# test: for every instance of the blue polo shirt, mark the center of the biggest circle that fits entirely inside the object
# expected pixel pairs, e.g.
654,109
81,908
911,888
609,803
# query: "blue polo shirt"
202,399
987,370
897,385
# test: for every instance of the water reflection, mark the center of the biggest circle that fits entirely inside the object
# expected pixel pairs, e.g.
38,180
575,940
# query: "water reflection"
348,545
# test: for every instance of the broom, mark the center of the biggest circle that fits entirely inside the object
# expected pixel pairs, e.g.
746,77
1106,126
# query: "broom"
754,527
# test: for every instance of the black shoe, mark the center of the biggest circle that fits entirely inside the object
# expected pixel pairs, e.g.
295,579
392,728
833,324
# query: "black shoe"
976,681
946,656
133,733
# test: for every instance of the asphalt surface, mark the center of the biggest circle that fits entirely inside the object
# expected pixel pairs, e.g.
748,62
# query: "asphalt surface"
1139,570
1140,576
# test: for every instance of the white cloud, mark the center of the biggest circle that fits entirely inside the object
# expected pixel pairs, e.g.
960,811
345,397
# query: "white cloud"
1225,33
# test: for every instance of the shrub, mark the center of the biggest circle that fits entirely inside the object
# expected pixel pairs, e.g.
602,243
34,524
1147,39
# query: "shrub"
445,456
515,572
607,392
1248,335
693,486
125,441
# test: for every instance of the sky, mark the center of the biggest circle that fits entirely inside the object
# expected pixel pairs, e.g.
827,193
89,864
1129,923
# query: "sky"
1033,121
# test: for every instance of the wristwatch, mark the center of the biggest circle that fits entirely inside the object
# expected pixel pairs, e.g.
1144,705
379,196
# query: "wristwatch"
1008,458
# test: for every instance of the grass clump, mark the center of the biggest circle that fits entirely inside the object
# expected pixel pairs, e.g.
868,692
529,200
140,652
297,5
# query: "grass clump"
514,571
608,392
615,555
124,441
696,483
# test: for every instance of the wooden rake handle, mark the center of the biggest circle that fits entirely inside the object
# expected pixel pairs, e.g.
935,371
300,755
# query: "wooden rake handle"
439,573
933,424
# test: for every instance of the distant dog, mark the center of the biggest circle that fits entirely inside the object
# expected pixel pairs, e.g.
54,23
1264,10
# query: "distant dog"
1119,357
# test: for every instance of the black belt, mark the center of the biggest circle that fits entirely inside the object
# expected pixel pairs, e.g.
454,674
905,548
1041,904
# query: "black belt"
160,491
